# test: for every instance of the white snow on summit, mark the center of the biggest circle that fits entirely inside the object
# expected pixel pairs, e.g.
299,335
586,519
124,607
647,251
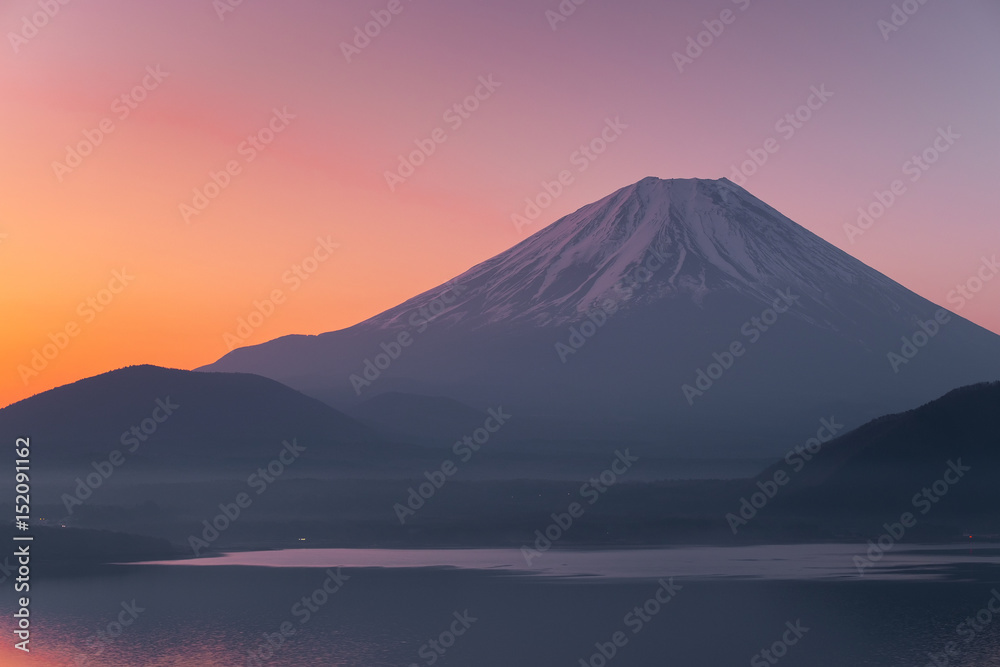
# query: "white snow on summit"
710,235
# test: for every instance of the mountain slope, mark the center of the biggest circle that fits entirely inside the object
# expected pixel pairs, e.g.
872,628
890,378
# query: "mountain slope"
191,420
938,462
890,459
603,323
430,420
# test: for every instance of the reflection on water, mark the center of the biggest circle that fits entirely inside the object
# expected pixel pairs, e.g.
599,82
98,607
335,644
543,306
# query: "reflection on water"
733,603
794,561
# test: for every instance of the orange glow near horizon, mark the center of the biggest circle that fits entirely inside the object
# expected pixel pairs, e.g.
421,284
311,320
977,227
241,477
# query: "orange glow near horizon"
63,235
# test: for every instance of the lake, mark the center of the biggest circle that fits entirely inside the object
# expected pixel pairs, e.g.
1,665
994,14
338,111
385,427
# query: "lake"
692,606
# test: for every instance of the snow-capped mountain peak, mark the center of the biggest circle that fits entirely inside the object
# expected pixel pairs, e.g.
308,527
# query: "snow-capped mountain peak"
651,240
687,273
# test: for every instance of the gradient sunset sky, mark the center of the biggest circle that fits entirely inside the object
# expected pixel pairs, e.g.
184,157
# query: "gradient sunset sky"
224,73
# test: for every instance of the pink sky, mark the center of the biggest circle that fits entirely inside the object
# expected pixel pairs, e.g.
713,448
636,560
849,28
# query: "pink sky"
324,174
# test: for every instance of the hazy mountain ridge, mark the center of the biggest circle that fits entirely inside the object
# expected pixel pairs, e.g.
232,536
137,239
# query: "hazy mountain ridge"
180,417
856,482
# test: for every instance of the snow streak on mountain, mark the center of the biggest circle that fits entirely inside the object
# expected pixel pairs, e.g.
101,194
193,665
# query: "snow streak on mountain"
698,236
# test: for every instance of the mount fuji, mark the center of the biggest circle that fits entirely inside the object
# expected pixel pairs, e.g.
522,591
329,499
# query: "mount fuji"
685,315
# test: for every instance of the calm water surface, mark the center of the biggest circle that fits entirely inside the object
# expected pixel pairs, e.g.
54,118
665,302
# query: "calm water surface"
728,604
